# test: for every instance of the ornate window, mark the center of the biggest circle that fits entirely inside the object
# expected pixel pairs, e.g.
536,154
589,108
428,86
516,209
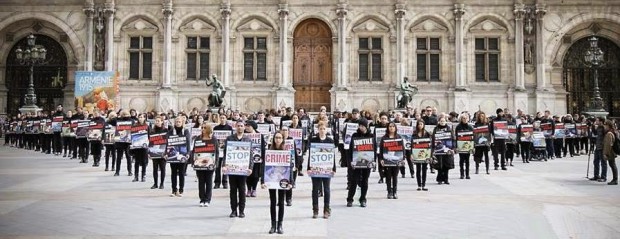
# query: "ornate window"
140,58
370,53
198,51
487,51
255,58
428,56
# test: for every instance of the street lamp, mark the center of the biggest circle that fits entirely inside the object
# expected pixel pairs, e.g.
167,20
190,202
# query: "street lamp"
31,56
594,59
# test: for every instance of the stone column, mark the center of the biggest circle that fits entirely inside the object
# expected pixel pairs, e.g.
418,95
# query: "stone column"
225,12
400,42
520,65
541,82
284,68
341,12
109,35
167,66
459,11
89,11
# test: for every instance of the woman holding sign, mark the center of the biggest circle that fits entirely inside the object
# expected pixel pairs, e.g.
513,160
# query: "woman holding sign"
204,157
482,148
443,150
140,153
178,166
277,194
463,131
321,183
420,153
395,149
159,164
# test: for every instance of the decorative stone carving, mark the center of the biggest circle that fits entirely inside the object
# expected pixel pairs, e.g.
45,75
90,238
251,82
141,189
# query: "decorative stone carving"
197,25
138,103
487,26
255,25
371,25
429,25
253,104
140,25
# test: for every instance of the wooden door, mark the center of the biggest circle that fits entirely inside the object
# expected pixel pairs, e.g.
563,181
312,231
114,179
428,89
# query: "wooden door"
312,65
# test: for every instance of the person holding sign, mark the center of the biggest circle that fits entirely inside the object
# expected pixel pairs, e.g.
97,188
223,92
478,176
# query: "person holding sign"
395,149
204,156
110,150
97,123
122,147
237,182
481,147
498,125
159,164
178,166
464,139
420,153
219,178
321,183
140,153
524,137
258,144
277,194
443,150
360,173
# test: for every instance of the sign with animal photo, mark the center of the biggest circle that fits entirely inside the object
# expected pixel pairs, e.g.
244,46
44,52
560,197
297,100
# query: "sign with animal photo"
257,146
82,129
278,168
393,152
500,130
57,124
176,151
139,137
443,143
571,130
406,132
237,158
157,145
547,129
379,133
321,160
108,134
47,127
512,134
195,133
560,131
482,136
298,136
526,132
420,150
363,152
465,142
538,140
123,131
204,155
66,128
350,129
221,136
95,132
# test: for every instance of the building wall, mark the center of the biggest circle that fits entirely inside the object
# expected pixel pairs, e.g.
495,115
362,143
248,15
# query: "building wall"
564,22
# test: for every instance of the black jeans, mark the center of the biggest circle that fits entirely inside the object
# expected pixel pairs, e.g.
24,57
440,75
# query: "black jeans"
122,148
317,185
359,177
478,153
464,161
442,175
159,164
558,144
66,145
500,149
280,204
110,150
252,181
289,193
391,178
614,169
178,172
140,159
95,150
526,151
420,174
205,185
57,143
219,178
510,152
237,192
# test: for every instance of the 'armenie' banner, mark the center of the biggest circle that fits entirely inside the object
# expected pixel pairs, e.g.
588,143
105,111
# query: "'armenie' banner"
96,90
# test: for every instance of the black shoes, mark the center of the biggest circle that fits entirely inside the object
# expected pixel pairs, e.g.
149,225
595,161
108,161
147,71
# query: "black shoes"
130,174
613,182
216,186
394,196
135,179
154,186
363,204
233,214
279,230
380,181
594,179
273,227
241,215
349,204
289,202
143,179
161,186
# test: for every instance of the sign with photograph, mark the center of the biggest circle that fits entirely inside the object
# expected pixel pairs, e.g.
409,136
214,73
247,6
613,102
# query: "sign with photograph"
465,142
500,129
526,132
204,155
420,150
363,153
443,143
221,136
176,151
482,136
139,137
393,152
96,90
350,129
237,158
257,146
157,144
406,132
278,168
322,160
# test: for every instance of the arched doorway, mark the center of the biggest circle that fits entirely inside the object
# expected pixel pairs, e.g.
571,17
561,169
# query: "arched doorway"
312,67
49,79
577,77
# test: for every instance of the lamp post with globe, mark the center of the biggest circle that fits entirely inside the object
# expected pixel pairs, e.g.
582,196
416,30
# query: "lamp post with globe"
594,59
30,56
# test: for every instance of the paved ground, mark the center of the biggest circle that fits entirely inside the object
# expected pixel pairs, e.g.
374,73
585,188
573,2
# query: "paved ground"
44,196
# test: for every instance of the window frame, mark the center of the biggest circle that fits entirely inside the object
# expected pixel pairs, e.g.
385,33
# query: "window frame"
486,52
140,50
255,52
198,51
428,52
370,52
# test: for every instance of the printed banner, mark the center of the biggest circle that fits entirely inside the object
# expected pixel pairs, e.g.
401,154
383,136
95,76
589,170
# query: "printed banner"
238,156
298,136
582,130
560,131
123,131
526,132
195,133
95,131
204,155
96,90
393,152
363,153
139,137
420,150
322,160
538,140
465,142
221,136
47,127
443,142
257,146
82,129
176,152
571,130
108,134
379,133
278,168
547,129
500,130
350,129
482,136
157,145
57,124
512,134
406,132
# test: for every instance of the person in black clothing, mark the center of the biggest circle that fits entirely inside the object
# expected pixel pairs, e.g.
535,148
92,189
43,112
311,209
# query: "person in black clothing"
498,144
510,144
140,155
420,167
570,143
57,139
159,164
178,168
237,182
359,176
391,172
600,166
558,143
525,146
219,178
383,123
444,162
67,140
252,181
355,118
205,175
549,141
95,145
464,126
321,184
122,148
277,194
110,150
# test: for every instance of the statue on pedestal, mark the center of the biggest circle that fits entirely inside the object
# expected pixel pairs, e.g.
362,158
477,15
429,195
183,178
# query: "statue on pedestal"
407,91
217,95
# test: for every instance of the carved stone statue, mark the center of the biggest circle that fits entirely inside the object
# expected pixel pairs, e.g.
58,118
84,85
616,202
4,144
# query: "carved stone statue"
217,95
407,91
528,51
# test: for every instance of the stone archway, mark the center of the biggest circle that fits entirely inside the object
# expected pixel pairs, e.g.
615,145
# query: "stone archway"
50,79
312,67
577,77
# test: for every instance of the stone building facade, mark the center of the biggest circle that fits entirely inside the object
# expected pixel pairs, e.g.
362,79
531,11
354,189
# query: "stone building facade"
461,54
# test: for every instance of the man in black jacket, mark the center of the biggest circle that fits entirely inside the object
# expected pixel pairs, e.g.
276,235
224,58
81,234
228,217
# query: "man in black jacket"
499,144
219,178
57,139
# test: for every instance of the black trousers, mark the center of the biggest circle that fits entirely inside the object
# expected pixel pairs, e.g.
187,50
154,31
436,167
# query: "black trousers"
237,192
110,150
95,150
583,141
252,181
178,172
510,152
122,149
569,146
319,184
442,175
359,176
140,159
558,145
83,148
57,142
205,185
276,195
219,178
409,163
420,174
391,178
526,154
74,147
464,161
478,153
614,169
159,164
66,145
500,152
